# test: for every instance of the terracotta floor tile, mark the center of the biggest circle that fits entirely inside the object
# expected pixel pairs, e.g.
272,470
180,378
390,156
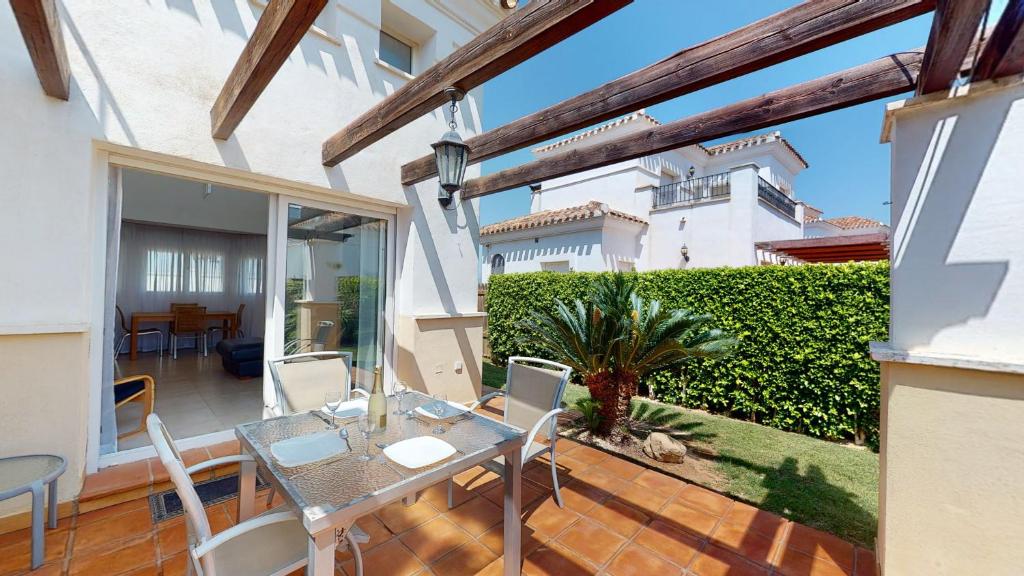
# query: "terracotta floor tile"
391,559
398,517
434,539
748,543
581,497
529,541
715,561
115,557
496,568
541,474
755,519
176,565
619,517
477,479
647,500
794,563
591,541
821,545
556,560
51,569
476,516
111,511
867,565
597,477
676,545
662,483
151,570
566,445
681,516
566,463
530,493
706,500
437,495
128,525
548,519
171,540
589,455
468,559
228,448
24,535
16,557
219,518
375,529
622,468
157,471
638,561
115,479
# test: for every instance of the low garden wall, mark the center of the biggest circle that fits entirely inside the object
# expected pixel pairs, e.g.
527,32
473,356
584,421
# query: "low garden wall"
802,363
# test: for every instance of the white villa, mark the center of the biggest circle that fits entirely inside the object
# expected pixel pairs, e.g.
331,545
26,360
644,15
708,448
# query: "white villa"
694,207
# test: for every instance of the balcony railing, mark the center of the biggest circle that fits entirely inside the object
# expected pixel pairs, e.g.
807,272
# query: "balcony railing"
706,188
775,197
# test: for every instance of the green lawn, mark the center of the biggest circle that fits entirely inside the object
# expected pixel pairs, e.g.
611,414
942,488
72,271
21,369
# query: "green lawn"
829,486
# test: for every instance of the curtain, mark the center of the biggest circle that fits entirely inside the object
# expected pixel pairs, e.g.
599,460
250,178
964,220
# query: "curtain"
161,265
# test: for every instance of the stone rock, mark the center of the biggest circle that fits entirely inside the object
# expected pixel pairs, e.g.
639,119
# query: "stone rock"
664,448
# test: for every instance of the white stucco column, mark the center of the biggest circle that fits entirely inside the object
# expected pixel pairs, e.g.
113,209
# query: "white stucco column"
953,370
439,337
742,204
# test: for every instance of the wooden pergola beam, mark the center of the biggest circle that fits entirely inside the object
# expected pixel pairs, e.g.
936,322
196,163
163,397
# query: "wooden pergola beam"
518,37
888,76
799,30
277,33
954,29
1003,54
40,27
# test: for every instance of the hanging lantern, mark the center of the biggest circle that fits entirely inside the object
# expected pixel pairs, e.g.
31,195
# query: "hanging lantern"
451,155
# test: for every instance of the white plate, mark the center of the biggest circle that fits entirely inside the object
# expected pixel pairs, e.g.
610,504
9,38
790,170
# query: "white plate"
306,449
419,452
452,410
349,409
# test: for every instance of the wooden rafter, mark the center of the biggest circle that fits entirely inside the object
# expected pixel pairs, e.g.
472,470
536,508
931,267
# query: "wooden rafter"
525,33
885,77
277,33
40,26
1003,54
954,29
799,30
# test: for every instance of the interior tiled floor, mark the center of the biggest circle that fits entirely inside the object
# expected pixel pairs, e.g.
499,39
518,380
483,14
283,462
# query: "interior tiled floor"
619,519
194,395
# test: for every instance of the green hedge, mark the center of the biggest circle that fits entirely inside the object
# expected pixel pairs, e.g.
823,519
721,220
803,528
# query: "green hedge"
802,363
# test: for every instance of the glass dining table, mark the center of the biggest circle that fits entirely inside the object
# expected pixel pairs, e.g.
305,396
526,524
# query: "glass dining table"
331,493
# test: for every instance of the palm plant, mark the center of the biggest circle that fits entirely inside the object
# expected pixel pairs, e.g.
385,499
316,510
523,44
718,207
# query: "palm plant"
616,339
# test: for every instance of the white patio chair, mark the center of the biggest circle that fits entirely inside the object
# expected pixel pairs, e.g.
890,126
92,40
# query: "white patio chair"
533,398
271,544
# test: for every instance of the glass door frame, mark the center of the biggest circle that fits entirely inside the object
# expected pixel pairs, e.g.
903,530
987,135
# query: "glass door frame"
277,246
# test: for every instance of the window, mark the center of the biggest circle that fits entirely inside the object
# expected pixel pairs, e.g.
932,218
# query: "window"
163,271
207,273
395,52
556,266
250,276
172,271
497,264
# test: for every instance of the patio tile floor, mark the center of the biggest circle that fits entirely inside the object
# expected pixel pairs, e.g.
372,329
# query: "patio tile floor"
619,519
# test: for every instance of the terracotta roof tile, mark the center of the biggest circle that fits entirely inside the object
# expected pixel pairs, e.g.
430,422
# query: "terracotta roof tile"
592,209
638,115
853,222
755,140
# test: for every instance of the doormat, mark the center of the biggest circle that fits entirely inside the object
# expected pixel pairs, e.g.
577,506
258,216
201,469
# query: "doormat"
166,505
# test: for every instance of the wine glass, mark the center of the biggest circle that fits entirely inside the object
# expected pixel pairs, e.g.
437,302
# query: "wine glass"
332,400
398,389
440,406
364,429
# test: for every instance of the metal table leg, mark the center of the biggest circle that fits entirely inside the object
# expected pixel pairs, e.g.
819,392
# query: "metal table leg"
51,504
513,519
38,539
321,553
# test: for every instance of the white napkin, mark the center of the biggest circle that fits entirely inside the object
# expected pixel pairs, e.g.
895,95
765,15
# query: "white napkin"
451,410
310,448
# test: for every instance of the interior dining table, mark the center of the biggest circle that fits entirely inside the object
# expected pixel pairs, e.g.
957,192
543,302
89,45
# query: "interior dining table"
228,321
329,495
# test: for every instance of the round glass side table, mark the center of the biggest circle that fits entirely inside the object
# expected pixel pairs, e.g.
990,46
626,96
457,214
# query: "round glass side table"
21,474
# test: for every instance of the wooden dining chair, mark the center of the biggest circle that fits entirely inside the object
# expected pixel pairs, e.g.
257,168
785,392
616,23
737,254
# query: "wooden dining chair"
126,333
140,388
189,322
238,325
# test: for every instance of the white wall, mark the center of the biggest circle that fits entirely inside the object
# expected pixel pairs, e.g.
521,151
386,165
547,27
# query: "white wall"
770,224
581,246
161,199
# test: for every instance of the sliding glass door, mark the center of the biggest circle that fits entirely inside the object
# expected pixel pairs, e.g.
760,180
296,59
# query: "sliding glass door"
335,276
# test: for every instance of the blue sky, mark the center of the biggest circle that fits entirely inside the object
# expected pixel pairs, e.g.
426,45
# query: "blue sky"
849,168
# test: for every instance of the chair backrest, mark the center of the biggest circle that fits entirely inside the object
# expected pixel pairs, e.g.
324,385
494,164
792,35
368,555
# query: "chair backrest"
190,319
176,305
532,391
121,320
302,380
238,316
172,461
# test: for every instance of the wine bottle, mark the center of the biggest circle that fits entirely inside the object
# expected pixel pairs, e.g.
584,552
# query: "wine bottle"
377,407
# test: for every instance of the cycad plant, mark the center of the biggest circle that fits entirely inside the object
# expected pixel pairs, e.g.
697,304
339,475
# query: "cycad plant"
616,339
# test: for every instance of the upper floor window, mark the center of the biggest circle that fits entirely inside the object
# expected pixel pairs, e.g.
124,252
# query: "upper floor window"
497,264
395,52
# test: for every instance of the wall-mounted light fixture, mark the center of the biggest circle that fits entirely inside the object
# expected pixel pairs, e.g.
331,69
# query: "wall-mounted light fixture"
451,155
685,252
691,172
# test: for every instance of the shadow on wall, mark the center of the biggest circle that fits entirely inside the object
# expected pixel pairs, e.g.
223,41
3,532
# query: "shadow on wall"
928,225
